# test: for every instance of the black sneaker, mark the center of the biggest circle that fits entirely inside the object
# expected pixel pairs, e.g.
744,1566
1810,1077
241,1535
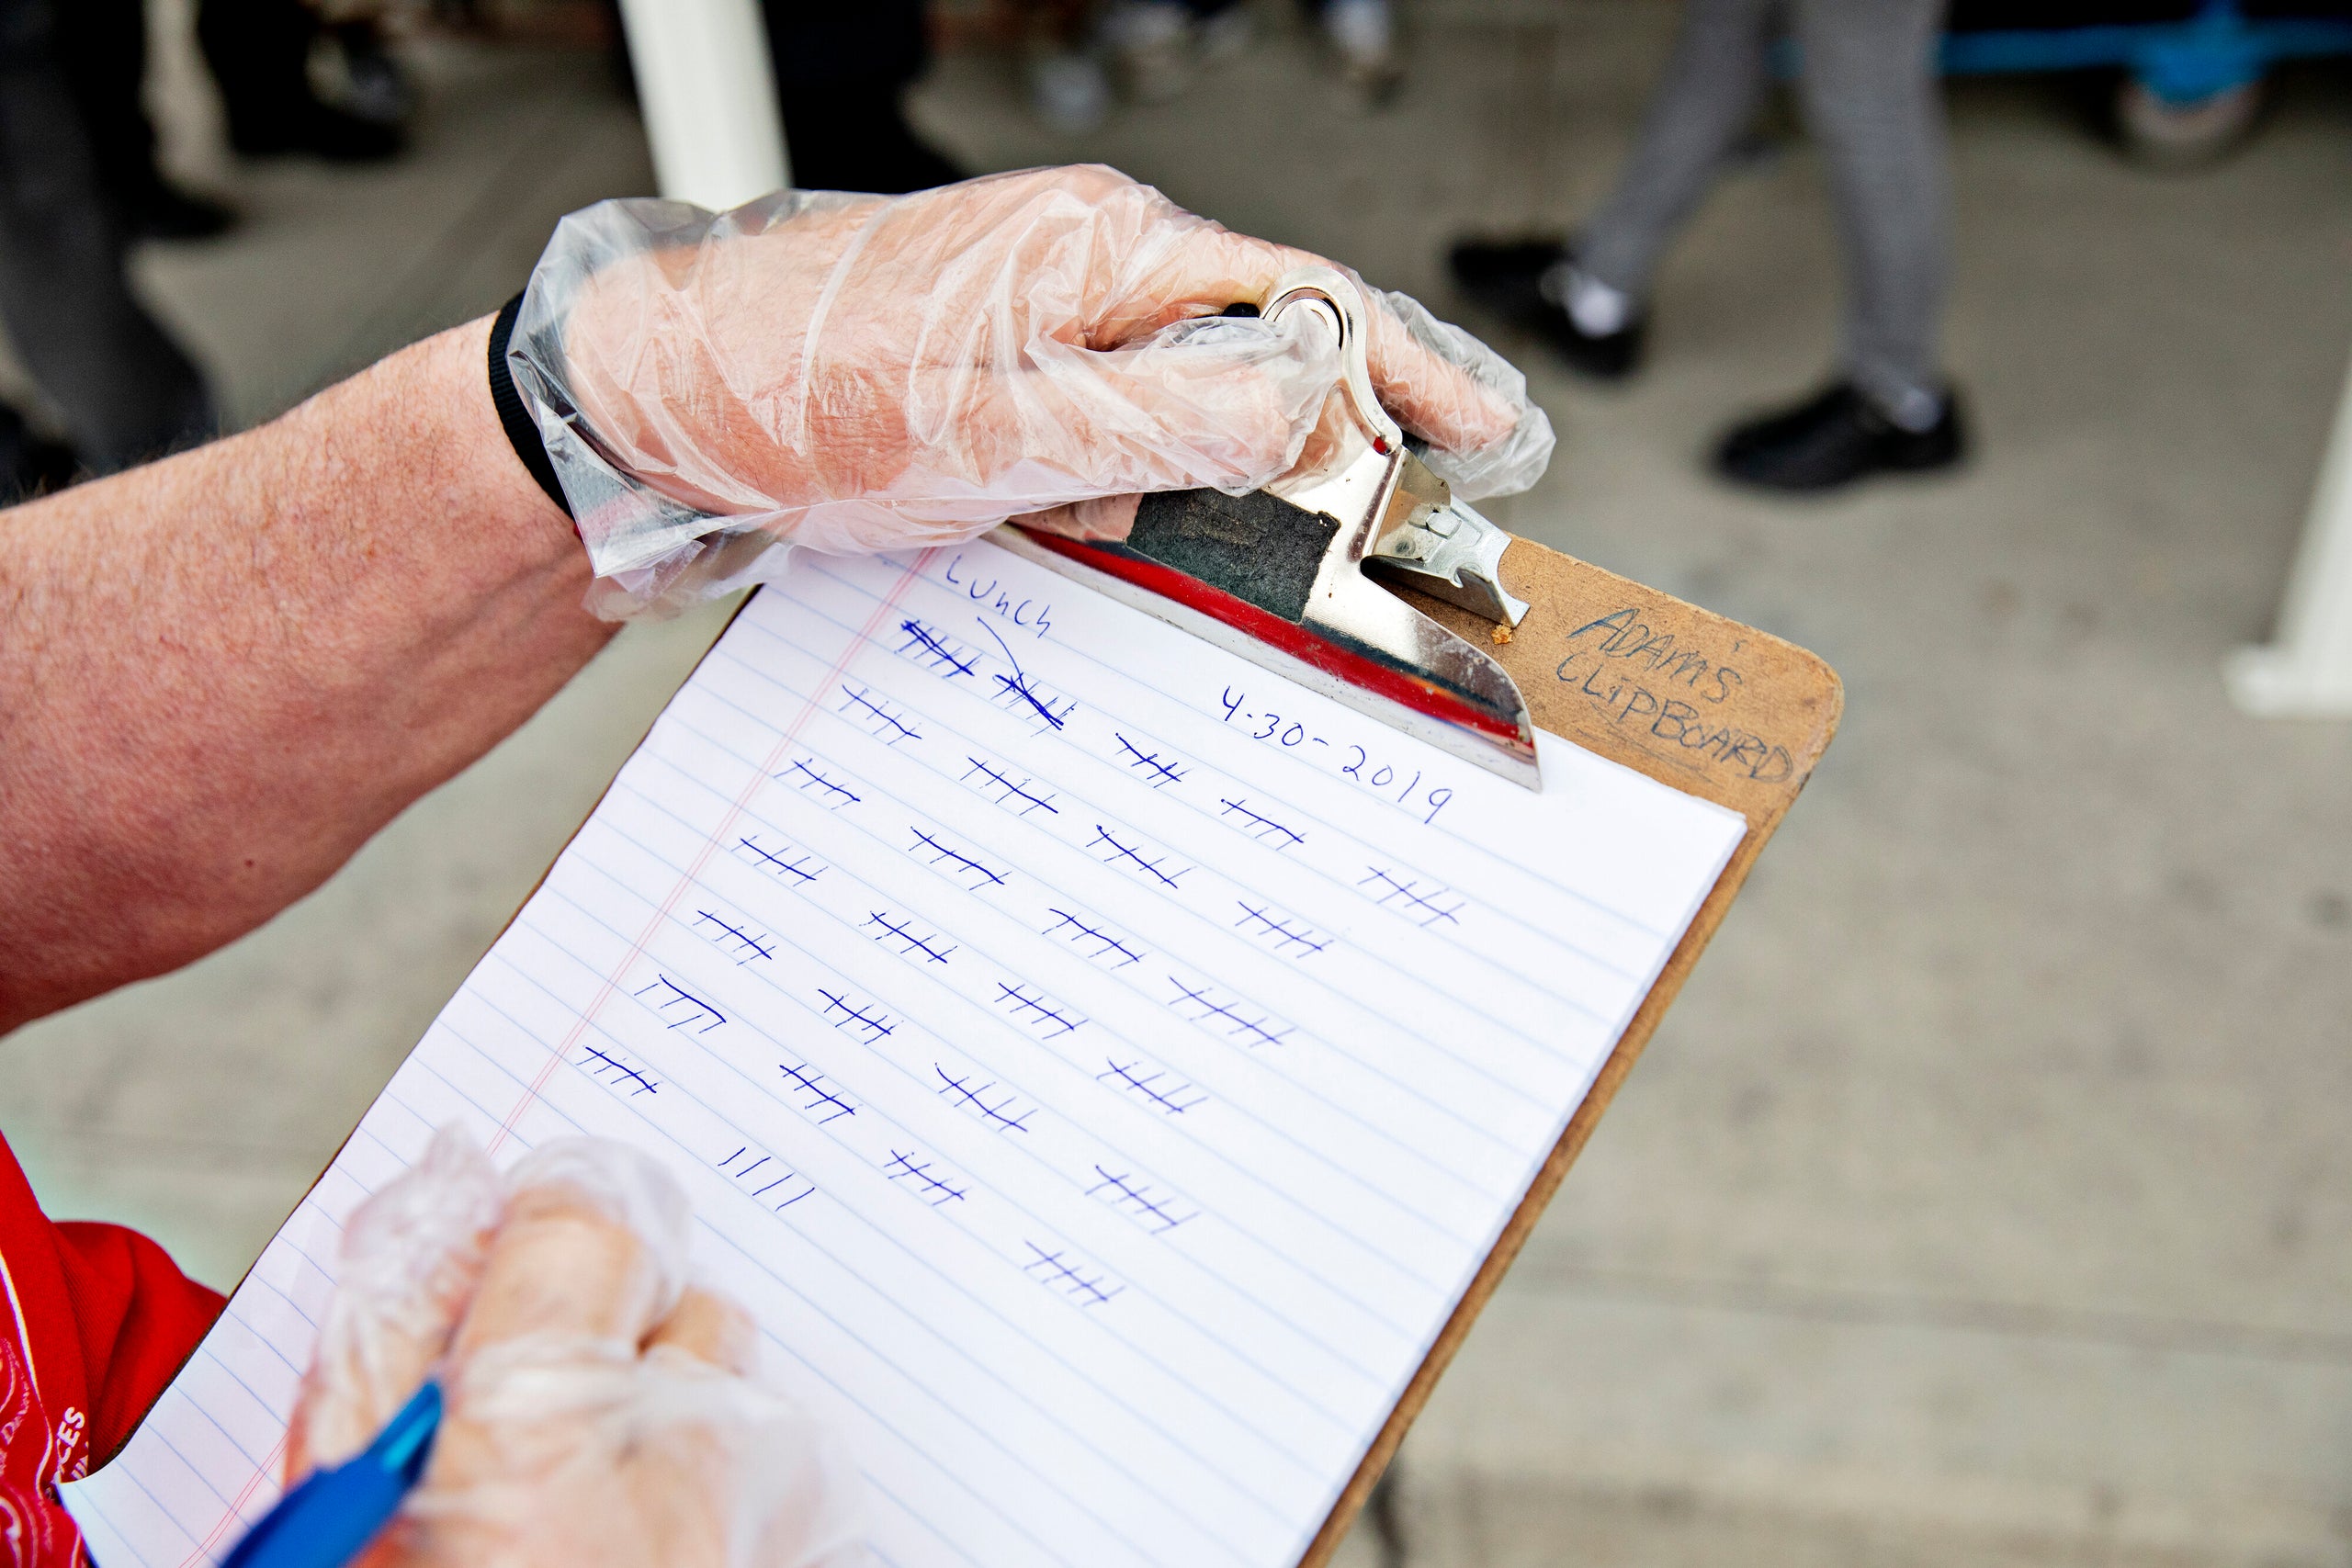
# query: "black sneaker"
1517,279
1833,439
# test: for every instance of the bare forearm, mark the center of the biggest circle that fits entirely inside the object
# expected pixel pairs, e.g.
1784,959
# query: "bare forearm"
221,673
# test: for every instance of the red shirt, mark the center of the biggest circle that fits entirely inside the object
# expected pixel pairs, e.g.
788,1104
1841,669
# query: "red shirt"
95,1321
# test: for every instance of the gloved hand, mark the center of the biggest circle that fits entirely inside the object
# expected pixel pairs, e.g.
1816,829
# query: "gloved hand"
599,1410
861,373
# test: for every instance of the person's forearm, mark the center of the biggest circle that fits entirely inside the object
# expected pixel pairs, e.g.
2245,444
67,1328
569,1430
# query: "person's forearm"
221,673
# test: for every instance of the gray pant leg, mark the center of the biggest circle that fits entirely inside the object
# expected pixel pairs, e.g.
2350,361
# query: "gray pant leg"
127,390
1707,98
1872,103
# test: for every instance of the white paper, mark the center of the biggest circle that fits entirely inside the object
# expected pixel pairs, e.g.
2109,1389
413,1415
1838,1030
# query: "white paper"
1100,1065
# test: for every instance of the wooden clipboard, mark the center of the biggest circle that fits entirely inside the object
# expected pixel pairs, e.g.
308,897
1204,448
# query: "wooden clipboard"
1690,698
1693,700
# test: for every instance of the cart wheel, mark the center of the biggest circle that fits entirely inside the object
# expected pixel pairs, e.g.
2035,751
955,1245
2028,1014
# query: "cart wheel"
2172,135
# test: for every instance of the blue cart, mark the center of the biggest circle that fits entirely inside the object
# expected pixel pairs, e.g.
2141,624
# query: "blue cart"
2190,72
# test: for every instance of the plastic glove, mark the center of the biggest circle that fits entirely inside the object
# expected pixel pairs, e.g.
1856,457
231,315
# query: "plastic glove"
860,373
599,1410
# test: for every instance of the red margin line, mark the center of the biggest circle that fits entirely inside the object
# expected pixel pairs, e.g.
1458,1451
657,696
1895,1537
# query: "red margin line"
734,812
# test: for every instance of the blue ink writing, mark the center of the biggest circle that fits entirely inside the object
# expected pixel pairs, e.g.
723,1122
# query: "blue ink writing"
1263,828
901,931
1004,792
1050,1268
940,854
929,648
808,780
1133,1198
1351,761
888,727
734,937
1161,1088
931,1187
962,1092
1104,838
1016,685
823,1102
777,1186
1035,1009
615,1072
1029,614
1277,932
1148,763
842,1014
680,1006
799,865
1079,933
1201,1006
1425,905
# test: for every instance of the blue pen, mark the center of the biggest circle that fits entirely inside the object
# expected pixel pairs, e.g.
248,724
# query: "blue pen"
326,1521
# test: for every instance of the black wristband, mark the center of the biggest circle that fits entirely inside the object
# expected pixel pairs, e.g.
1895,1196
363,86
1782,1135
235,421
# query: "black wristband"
513,417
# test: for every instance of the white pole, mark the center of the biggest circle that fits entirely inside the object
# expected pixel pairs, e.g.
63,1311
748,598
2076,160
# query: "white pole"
704,81
2306,671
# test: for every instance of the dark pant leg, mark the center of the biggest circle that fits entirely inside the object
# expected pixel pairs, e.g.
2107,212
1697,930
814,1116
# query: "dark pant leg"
127,392
1872,102
102,48
840,72
259,53
1707,99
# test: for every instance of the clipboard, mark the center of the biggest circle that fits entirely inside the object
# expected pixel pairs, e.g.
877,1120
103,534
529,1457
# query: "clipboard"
1690,699
1693,699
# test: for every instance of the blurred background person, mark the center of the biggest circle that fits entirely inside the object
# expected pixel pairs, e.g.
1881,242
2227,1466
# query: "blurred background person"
842,73
271,59
1156,47
1068,88
78,160
1867,83
102,48
1159,43
125,391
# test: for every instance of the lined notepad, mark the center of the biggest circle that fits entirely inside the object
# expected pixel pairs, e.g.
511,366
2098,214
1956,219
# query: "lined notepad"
1100,1065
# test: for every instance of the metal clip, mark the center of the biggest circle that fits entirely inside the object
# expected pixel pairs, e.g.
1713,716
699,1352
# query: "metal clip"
1444,548
1278,576
1452,552
1334,296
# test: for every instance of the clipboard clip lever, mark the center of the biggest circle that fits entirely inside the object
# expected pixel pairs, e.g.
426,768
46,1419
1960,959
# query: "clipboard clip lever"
1284,576
1445,547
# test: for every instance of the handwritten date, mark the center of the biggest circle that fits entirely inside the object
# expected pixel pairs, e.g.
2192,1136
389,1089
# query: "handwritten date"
1349,760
